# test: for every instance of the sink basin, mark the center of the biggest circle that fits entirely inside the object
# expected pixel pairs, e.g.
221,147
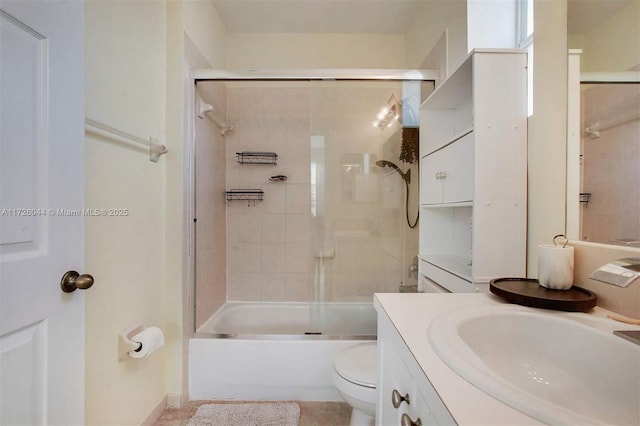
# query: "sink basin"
559,368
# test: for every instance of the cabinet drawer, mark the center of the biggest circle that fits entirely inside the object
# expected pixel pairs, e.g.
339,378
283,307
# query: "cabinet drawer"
445,279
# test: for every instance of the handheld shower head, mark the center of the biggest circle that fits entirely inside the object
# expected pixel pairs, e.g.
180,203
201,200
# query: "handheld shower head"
406,176
385,163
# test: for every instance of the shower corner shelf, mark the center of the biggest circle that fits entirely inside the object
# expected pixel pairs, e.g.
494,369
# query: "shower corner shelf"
251,157
249,195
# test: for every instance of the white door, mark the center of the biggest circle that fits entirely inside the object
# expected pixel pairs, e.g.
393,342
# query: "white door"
41,201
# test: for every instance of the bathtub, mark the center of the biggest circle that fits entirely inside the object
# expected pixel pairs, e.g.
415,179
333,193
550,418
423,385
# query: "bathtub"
275,351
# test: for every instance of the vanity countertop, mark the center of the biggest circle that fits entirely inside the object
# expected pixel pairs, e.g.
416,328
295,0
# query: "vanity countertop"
412,314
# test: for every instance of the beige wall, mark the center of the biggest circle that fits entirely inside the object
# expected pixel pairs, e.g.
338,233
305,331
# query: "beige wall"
125,254
613,45
431,20
195,23
177,292
205,29
315,51
547,128
139,261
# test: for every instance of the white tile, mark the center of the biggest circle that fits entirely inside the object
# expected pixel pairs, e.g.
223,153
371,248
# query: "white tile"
245,287
275,198
273,287
298,287
273,228
274,258
298,198
298,258
249,258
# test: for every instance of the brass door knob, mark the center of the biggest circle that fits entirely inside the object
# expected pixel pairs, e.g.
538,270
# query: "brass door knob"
71,281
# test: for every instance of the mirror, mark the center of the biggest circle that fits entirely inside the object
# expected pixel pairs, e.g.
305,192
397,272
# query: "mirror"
603,178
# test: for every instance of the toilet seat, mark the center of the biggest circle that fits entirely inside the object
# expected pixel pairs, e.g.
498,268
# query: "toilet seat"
358,364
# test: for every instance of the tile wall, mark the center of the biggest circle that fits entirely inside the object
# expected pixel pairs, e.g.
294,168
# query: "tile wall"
353,243
610,162
210,228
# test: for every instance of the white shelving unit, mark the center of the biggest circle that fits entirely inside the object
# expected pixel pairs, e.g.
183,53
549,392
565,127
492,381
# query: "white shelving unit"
473,173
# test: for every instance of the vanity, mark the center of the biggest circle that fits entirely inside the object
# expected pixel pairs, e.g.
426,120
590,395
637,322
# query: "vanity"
432,347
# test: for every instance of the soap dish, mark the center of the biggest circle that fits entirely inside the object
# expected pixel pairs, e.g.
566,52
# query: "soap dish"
529,292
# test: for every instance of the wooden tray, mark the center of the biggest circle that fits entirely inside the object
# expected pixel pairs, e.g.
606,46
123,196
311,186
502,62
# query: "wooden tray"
528,292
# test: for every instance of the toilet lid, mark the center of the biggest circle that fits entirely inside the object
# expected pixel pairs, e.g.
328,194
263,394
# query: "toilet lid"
358,364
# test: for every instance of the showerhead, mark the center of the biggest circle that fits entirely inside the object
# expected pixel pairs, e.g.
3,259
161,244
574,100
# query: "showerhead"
406,176
385,163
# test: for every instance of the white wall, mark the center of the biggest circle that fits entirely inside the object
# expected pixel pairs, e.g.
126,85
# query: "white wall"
491,24
125,254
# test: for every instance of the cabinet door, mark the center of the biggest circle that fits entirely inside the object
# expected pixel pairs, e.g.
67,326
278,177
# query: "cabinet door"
395,377
457,165
430,183
446,176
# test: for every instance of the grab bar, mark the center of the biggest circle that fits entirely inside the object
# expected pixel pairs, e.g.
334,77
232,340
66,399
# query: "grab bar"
155,149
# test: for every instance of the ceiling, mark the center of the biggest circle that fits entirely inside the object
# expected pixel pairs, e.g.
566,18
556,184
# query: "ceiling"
366,16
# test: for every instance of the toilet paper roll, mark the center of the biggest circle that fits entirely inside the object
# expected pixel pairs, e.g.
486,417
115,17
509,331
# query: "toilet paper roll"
555,267
151,339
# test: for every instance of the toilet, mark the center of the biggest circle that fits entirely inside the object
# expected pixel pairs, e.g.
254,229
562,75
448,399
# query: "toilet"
355,373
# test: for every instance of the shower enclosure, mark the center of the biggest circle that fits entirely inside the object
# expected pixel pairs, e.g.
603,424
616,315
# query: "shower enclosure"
299,216
290,205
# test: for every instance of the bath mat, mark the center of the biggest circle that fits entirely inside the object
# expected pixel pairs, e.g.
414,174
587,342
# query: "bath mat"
247,414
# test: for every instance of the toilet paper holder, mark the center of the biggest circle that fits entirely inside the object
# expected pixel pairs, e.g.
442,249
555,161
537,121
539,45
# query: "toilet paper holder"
126,345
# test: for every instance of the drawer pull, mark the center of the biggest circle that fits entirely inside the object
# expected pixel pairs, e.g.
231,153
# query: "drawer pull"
396,398
405,420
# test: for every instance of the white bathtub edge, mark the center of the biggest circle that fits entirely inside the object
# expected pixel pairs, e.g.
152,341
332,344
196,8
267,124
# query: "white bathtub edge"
263,370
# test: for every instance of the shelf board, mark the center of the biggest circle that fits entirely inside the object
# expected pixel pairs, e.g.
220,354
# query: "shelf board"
447,205
250,157
249,195
456,265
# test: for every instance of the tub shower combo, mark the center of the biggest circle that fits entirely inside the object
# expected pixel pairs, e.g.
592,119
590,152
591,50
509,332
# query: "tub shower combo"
301,212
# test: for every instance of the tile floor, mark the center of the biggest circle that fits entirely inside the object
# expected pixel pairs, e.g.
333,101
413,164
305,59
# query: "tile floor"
311,413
